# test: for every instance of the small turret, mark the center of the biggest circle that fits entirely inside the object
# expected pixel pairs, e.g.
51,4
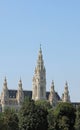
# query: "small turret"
5,95
52,87
52,96
40,62
65,95
20,94
5,84
20,84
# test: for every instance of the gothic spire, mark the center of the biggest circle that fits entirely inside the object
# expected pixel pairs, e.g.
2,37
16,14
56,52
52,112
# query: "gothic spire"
40,62
65,95
20,84
66,87
39,79
20,94
40,48
52,96
5,83
5,80
20,81
40,52
52,84
66,84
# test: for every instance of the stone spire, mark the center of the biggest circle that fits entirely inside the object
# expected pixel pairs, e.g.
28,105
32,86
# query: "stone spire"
5,88
20,84
65,95
20,94
52,86
52,95
39,79
40,62
5,95
5,84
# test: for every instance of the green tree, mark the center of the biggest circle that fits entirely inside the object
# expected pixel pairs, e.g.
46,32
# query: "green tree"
51,119
64,116
1,122
77,122
43,103
10,120
64,123
32,117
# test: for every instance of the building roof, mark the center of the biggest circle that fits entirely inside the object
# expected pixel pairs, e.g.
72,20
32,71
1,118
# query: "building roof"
28,93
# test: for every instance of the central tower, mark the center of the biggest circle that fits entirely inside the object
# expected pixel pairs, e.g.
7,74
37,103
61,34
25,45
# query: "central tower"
39,79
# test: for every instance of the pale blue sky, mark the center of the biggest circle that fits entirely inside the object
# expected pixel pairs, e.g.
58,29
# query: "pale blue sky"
24,24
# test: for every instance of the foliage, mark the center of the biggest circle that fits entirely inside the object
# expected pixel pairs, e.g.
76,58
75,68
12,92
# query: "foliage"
10,120
1,122
65,116
77,122
32,117
43,103
51,120
40,115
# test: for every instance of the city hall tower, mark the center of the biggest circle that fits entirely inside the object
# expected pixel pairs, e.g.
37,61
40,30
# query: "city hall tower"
39,79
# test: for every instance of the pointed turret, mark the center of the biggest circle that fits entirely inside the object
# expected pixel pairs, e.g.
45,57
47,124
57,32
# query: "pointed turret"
5,88
5,84
65,95
52,95
40,62
5,95
39,79
20,84
20,94
52,86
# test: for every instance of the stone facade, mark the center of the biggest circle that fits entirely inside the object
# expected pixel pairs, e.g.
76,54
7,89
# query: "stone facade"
11,101
14,98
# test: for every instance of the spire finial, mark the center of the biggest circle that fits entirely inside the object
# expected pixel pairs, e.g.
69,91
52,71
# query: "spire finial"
52,84
20,84
52,81
5,80
40,45
20,81
20,78
66,83
40,48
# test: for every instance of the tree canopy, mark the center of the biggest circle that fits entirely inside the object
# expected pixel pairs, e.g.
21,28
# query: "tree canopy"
65,116
32,117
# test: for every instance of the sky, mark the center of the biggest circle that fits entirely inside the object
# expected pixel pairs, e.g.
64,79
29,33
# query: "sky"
55,24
